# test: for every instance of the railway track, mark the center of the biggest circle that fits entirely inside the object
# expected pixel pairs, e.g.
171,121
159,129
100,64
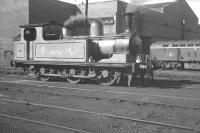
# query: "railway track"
43,123
138,102
53,91
91,113
143,98
162,82
45,84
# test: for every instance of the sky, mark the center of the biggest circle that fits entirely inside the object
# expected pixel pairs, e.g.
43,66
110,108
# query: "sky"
194,4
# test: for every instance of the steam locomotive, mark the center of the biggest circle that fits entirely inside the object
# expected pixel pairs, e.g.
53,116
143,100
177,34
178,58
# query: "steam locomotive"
47,51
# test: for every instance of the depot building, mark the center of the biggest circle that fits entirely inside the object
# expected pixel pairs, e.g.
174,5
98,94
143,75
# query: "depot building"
162,21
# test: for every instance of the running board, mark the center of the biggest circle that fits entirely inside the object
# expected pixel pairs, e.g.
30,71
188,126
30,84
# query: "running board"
65,76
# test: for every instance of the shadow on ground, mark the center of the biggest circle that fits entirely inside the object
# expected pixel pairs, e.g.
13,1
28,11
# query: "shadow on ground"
165,83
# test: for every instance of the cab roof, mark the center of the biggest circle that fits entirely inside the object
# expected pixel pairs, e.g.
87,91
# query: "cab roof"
38,25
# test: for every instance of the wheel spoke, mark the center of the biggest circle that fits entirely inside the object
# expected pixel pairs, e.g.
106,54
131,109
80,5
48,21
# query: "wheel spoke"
71,79
42,77
109,80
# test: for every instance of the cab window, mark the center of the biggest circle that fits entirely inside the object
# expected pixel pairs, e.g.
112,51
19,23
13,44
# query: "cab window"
52,32
29,34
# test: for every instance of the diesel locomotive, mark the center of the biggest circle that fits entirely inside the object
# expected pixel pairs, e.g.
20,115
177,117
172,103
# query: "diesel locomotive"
47,51
180,54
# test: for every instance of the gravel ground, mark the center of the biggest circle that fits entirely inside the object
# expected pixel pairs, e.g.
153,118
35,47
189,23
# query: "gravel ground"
95,123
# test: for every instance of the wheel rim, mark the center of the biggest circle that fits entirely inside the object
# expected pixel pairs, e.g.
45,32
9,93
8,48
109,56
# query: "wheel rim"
42,78
109,80
71,79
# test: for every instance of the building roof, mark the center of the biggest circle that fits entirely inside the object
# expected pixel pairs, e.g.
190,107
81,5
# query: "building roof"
157,5
38,25
131,8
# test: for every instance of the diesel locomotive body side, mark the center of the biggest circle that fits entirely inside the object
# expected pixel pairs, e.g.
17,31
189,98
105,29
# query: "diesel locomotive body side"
176,54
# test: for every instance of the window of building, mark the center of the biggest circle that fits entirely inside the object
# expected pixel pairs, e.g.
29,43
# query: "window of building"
108,20
108,30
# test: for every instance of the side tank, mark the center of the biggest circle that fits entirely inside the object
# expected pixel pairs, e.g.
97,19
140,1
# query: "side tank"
103,47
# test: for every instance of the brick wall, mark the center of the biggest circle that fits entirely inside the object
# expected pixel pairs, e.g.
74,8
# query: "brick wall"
168,25
179,11
20,12
13,13
103,10
100,9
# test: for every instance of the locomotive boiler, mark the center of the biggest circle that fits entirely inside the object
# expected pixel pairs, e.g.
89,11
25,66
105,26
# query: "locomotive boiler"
48,52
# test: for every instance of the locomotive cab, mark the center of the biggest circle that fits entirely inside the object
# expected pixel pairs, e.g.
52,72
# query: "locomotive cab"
24,47
52,31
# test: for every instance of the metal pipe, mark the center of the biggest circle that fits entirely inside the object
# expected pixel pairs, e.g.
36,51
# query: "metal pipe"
86,17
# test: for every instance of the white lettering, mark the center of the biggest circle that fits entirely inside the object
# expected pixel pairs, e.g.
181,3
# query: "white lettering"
55,52
43,50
